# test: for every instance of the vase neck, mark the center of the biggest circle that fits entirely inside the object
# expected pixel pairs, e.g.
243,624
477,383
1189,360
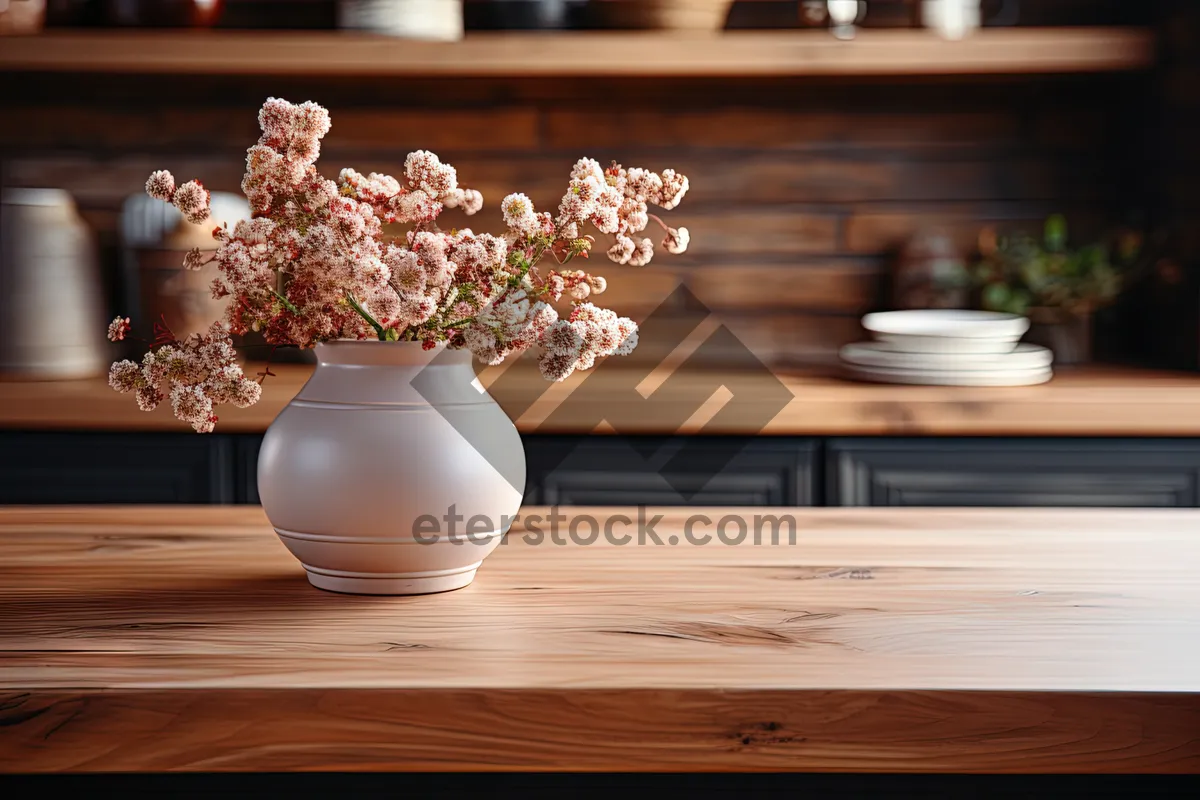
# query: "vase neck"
375,373
373,353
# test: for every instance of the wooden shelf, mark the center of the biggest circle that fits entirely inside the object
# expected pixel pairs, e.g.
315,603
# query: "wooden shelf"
610,54
1082,401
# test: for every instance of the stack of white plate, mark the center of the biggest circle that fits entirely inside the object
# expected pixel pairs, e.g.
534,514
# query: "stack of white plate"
947,348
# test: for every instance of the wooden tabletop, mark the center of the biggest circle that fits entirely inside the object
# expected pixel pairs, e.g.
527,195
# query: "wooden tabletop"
1081,401
880,640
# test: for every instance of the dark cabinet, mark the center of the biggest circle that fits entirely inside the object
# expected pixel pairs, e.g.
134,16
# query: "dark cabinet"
113,468
678,471
1013,472
96,467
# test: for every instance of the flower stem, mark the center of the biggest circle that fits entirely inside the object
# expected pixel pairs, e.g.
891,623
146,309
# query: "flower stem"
362,312
286,303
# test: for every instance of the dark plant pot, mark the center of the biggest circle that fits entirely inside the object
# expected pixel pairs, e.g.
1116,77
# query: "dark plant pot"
680,15
521,15
1069,336
161,13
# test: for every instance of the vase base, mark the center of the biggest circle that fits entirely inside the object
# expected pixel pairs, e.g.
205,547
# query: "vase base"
391,584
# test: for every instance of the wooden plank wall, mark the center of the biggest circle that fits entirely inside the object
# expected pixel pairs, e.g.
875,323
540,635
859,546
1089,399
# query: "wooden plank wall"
801,192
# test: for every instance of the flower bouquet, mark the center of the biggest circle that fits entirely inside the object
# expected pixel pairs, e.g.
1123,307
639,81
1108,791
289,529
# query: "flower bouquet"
392,432
314,265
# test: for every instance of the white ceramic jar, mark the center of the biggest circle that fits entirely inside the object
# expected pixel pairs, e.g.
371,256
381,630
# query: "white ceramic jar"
51,301
953,19
433,20
392,471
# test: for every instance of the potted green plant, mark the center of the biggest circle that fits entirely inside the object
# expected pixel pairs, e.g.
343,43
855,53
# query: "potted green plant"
1059,287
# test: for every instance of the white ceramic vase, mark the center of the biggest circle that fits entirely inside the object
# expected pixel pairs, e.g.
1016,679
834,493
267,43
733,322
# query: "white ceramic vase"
391,472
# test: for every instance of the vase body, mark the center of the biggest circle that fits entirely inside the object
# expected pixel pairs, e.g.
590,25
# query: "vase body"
392,471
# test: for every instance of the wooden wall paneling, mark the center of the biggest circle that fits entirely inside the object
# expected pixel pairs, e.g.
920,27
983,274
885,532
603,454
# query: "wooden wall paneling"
799,195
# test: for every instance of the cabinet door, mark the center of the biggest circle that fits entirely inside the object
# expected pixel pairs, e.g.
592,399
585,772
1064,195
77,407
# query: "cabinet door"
676,471
114,468
245,468
1013,472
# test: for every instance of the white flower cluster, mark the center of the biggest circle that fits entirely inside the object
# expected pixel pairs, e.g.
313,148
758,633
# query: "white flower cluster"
200,373
589,333
510,326
313,265
192,199
616,201
118,329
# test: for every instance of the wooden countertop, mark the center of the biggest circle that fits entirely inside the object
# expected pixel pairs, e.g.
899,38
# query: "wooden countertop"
1083,401
881,640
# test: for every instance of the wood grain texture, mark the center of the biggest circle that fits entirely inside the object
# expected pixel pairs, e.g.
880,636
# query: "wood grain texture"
873,53
881,640
1085,401
207,129
802,190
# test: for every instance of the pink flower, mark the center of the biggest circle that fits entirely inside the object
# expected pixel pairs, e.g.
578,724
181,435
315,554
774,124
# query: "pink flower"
587,168
555,285
123,376
161,185
148,397
556,367
118,328
628,337
519,215
635,215
469,200
622,250
191,404
562,339
642,254
192,201
310,120
427,173
416,206
675,186
677,240
643,184
275,118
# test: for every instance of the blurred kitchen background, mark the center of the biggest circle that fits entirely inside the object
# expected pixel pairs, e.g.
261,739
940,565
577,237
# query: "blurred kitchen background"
844,156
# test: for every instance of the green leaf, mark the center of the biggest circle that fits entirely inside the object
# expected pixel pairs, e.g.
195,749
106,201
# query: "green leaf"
286,303
996,296
1056,233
